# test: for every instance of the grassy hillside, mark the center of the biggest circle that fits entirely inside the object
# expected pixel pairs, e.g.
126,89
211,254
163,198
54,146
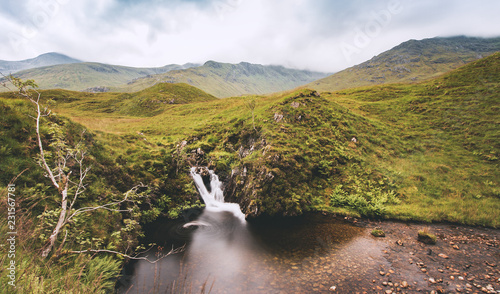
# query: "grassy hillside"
425,151
85,75
225,80
412,61
117,163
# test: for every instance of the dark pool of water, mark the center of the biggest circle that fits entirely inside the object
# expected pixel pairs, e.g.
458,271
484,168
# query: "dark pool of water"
307,254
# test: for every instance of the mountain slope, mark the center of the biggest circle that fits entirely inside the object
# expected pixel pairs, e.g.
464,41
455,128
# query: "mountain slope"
424,151
85,75
225,80
411,61
47,59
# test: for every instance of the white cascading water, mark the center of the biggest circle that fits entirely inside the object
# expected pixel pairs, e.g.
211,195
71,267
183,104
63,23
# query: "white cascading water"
214,200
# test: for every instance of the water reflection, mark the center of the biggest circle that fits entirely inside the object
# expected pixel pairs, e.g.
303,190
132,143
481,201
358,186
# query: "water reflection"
224,255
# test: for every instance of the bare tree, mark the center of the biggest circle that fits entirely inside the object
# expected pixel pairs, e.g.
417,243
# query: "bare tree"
60,175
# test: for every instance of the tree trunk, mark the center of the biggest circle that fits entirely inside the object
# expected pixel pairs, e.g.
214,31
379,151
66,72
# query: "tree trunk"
60,223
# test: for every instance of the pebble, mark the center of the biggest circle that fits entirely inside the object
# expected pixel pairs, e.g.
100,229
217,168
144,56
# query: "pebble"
432,281
404,284
333,288
442,255
382,273
423,270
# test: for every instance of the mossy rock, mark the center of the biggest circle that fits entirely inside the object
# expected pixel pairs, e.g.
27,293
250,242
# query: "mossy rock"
426,237
378,233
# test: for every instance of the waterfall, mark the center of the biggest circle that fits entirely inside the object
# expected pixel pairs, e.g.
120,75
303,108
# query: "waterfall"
214,200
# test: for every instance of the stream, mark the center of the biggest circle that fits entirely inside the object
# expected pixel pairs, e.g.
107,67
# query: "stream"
226,254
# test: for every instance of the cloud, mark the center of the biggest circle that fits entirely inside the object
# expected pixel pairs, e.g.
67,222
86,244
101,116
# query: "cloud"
314,34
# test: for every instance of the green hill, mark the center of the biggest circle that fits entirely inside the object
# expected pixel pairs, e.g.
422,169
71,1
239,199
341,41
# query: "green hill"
89,76
411,61
225,80
145,103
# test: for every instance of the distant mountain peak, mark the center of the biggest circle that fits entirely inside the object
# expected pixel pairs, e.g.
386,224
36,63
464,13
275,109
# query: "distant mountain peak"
212,64
46,59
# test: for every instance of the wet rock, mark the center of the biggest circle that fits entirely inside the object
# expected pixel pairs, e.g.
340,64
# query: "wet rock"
378,233
490,289
425,237
442,255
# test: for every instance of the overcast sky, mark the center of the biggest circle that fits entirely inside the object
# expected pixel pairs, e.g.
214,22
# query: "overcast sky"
322,35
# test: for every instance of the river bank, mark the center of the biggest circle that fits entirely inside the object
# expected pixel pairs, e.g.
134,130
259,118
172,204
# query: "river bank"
464,259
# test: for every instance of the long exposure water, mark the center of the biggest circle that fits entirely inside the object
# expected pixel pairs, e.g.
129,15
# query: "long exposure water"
226,254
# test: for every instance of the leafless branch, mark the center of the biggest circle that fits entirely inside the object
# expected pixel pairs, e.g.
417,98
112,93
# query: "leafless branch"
107,206
172,251
15,178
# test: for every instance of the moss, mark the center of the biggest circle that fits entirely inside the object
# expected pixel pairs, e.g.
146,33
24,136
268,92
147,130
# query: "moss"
426,237
378,233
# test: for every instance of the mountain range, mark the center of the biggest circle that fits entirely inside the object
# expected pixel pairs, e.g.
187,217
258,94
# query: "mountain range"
411,61
90,76
225,80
